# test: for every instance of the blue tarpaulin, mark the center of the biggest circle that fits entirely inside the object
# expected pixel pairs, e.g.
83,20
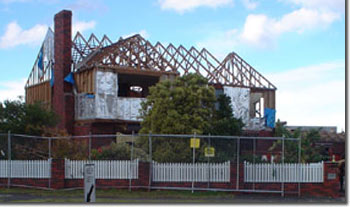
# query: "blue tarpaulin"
69,78
40,63
90,95
52,77
270,116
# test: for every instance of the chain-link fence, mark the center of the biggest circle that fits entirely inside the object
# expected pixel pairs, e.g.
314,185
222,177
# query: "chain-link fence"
153,161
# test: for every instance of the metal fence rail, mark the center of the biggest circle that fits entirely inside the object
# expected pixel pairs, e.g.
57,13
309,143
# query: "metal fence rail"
104,169
188,172
286,173
25,168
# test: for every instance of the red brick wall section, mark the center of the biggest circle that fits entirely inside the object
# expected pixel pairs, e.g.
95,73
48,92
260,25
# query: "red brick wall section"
63,100
34,182
329,187
57,173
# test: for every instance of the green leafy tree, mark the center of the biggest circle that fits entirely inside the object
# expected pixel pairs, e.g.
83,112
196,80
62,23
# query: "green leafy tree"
21,118
310,152
224,123
182,106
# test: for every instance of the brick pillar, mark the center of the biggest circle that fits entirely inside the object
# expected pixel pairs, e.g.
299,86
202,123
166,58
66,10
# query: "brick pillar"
331,185
57,173
63,100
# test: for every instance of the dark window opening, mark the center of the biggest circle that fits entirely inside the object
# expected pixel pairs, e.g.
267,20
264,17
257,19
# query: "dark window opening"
135,85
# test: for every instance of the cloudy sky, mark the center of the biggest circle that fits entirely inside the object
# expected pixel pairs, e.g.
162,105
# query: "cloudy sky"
299,45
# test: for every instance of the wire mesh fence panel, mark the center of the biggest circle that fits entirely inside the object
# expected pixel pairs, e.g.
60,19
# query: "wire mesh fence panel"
3,146
216,161
29,147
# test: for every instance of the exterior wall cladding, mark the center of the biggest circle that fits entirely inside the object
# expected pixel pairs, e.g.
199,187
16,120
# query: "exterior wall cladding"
329,188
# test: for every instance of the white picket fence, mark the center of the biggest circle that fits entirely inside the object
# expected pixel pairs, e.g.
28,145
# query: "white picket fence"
186,172
104,169
25,168
287,173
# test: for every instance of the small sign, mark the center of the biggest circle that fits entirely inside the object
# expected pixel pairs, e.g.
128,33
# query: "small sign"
331,176
195,143
89,183
209,151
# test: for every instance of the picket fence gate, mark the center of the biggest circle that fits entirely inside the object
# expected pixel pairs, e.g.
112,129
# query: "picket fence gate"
104,169
187,172
287,173
25,168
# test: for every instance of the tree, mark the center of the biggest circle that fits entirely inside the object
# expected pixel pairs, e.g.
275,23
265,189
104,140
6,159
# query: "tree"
310,152
182,106
224,123
21,118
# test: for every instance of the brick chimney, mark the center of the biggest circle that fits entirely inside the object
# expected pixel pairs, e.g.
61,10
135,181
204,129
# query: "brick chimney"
63,99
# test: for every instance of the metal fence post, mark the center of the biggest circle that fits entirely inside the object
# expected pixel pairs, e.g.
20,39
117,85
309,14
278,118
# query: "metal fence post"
150,160
50,162
194,154
237,165
299,161
90,145
131,157
9,166
209,164
254,154
283,167
50,147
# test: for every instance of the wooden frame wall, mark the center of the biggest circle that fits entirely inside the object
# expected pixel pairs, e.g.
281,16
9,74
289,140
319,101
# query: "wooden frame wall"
85,81
39,93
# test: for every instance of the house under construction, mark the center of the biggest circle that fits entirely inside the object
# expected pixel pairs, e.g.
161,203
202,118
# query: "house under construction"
96,85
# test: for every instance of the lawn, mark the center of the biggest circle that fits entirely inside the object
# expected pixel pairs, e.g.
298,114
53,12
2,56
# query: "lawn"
111,196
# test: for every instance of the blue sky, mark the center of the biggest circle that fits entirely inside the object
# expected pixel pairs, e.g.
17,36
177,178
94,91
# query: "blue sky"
299,45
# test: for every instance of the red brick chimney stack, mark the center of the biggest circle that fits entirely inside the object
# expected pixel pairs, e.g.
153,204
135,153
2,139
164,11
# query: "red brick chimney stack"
63,99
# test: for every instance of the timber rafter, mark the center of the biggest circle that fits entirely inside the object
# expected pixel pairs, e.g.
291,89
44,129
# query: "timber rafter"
138,53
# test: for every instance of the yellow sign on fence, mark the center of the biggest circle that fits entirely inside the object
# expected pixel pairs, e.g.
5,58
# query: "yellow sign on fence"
209,151
195,143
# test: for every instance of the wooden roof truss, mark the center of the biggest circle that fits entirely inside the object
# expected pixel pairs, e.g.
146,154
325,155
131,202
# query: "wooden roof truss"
137,53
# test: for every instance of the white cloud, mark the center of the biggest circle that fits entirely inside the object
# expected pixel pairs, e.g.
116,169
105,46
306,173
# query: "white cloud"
261,31
12,89
15,35
249,4
82,26
335,5
182,6
220,43
143,33
88,5
313,95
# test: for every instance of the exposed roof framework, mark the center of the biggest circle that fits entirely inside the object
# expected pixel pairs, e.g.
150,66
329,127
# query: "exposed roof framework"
137,53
